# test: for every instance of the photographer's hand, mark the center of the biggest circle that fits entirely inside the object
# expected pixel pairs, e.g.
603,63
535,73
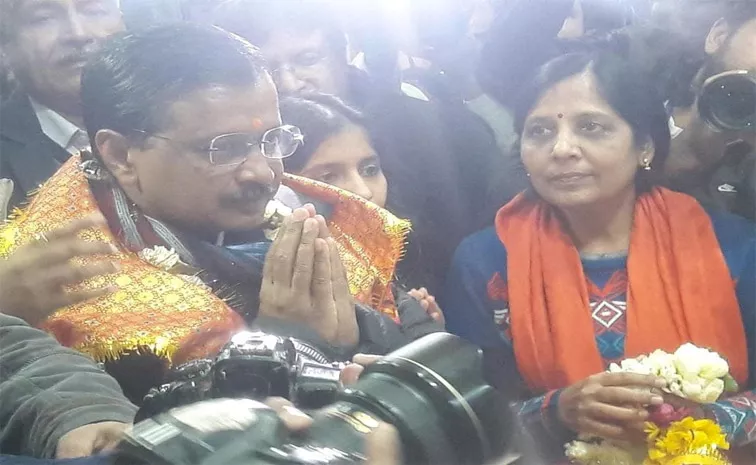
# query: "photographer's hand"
429,304
382,446
351,373
90,439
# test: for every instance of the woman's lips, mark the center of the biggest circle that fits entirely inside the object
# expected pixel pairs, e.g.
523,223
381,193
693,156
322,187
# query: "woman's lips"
569,178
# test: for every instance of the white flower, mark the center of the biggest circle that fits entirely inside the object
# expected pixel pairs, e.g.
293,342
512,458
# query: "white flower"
701,390
662,364
712,391
631,365
715,367
276,207
688,361
693,362
160,257
692,388
194,280
675,388
275,212
601,453
576,450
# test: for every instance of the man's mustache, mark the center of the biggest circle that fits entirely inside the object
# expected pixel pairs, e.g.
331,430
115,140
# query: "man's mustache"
77,55
254,192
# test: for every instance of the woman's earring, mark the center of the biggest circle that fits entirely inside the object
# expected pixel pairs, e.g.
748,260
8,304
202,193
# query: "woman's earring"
646,164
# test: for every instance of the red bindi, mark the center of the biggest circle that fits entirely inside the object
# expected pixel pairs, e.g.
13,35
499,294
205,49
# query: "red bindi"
257,123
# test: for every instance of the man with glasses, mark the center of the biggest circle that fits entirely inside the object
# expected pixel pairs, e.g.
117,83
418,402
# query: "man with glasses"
438,156
186,158
45,44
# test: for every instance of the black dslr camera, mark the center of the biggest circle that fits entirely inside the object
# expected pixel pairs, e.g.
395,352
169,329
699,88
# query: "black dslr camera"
432,391
727,101
253,365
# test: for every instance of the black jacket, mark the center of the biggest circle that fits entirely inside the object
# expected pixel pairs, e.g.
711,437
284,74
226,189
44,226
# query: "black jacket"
439,160
27,156
47,390
729,186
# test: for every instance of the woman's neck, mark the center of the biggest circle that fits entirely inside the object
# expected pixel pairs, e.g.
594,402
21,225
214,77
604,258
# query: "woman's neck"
602,228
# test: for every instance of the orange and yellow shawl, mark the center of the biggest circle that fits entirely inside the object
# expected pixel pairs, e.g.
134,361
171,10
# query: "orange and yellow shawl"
170,316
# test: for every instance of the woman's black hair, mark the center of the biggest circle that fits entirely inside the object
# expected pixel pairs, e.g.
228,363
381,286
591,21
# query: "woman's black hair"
318,116
631,93
321,116
506,64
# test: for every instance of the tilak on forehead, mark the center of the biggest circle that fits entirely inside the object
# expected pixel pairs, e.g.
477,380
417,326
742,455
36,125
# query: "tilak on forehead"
257,123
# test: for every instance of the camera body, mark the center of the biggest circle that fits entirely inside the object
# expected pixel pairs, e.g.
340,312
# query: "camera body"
253,365
432,391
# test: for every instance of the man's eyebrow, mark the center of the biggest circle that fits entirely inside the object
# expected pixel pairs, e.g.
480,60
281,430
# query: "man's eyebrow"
32,6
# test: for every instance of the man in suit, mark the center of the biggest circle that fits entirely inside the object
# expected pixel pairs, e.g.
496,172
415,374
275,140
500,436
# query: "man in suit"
438,158
46,43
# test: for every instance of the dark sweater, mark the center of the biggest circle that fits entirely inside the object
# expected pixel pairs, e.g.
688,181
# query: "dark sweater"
47,390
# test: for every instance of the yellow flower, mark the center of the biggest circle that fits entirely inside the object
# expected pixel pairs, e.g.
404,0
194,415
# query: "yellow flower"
683,437
676,442
652,432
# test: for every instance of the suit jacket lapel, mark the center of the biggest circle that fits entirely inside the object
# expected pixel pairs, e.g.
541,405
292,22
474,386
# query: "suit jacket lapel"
37,156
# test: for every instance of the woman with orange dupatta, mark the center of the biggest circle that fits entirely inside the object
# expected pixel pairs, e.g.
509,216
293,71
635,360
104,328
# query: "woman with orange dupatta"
595,264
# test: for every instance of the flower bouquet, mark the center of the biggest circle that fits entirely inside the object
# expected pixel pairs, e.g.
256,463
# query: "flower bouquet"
673,437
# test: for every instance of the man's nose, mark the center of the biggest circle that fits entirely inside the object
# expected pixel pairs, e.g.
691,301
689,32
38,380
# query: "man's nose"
79,28
288,82
256,168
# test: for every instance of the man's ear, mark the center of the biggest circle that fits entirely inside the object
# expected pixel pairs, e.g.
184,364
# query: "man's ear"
113,149
717,38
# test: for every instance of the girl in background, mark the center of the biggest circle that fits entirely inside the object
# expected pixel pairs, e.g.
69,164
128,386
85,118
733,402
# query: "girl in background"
339,150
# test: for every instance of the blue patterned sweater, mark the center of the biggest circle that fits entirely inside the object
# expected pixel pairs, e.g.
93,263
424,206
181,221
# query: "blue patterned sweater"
476,307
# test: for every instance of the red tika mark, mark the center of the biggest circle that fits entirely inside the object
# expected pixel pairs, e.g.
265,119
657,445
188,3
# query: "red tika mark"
497,289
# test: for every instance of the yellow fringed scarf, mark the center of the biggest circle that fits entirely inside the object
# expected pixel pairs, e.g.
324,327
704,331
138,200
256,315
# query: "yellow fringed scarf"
174,318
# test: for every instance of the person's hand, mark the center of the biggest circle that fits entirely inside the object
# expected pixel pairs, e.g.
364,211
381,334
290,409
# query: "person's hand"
90,439
34,278
684,407
382,446
305,281
610,405
351,373
429,304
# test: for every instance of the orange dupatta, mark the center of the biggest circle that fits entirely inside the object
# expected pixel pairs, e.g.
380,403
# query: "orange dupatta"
679,289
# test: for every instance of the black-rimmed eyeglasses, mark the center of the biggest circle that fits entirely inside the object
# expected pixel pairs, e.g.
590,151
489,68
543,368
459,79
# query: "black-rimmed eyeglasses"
234,148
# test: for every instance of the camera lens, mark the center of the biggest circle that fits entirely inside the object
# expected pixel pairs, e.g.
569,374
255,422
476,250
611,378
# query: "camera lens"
728,101
433,392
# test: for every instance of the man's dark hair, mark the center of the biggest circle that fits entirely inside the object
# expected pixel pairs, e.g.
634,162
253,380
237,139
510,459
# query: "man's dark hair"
319,116
739,12
8,10
128,85
256,20
630,93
